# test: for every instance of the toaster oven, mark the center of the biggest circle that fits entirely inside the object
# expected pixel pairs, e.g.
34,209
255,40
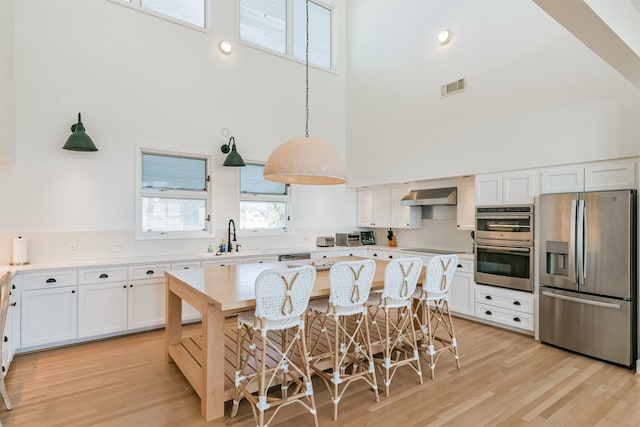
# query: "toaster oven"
325,241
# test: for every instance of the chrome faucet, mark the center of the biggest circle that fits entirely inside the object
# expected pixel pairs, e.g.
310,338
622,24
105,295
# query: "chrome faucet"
229,245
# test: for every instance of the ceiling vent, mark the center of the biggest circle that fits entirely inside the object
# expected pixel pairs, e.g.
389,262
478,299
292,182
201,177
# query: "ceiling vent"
453,87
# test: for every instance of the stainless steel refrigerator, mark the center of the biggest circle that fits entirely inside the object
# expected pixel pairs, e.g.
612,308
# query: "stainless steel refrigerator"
588,273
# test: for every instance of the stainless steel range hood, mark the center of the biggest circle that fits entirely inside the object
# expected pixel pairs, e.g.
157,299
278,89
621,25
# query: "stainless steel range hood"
431,197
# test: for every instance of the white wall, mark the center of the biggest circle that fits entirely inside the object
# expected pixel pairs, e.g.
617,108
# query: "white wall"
535,95
7,85
142,80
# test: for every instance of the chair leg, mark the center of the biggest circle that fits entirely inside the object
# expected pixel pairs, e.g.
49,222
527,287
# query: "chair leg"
454,342
238,373
430,347
262,392
307,372
369,349
5,395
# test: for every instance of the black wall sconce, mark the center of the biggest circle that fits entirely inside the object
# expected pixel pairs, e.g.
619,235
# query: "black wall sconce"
79,140
233,159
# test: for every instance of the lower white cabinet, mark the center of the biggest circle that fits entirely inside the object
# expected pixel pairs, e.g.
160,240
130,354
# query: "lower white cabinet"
146,303
462,290
102,309
11,333
504,306
49,316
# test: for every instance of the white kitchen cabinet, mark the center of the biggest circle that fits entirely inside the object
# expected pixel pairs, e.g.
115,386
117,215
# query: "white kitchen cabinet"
11,333
505,307
260,260
188,312
49,316
102,309
361,252
462,289
374,208
49,312
610,175
223,262
146,303
404,216
596,176
466,207
511,188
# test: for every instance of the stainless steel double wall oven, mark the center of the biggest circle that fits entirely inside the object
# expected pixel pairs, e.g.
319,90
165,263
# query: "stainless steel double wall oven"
504,246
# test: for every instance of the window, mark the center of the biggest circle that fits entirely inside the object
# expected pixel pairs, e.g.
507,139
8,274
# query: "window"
265,24
192,12
264,205
172,195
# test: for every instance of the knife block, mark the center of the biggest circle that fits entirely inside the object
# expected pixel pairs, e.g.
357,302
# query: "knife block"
392,242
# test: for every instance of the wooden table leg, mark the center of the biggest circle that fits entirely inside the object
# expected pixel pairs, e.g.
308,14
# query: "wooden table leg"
173,317
212,402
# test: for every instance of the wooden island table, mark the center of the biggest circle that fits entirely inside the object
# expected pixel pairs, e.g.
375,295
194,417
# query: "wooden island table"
218,293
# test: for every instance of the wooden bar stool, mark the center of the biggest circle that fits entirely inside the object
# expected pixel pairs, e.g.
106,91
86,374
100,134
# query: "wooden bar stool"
432,311
339,331
5,291
397,335
282,297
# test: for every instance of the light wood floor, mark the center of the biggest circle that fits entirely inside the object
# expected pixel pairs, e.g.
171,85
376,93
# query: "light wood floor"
506,379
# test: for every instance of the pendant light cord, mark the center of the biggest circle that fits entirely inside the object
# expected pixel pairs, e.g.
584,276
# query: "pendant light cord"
306,132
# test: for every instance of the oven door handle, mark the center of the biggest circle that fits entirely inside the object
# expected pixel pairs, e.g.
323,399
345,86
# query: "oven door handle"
504,248
500,218
508,225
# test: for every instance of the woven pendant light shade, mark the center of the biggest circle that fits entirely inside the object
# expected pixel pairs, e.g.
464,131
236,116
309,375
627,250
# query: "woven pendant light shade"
305,160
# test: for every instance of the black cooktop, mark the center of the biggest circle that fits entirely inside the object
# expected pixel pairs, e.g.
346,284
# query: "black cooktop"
432,251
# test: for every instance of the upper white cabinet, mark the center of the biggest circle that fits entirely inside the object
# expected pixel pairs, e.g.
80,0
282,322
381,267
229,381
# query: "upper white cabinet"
381,208
466,209
374,208
597,176
511,188
404,216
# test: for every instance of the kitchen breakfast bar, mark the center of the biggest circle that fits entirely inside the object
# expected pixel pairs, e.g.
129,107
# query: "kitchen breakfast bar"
218,293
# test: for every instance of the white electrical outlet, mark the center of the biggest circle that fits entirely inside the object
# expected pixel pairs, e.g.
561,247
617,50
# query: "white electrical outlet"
73,248
117,247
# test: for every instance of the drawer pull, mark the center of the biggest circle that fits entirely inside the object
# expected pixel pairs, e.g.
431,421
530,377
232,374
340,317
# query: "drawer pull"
488,297
73,292
516,319
390,256
516,303
124,286
104,276
13,304
488,313
375,255
186,268
51,280
324,256
150,272
459,265
6,339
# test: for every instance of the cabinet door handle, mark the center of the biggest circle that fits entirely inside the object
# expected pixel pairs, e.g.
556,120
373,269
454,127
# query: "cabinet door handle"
516,319
324,256
104,276
13,286
186,268
131,286
459,266
516,303
51,280
124,286
73,292
150,271
6,338
488,313
488,297
375,254
13,304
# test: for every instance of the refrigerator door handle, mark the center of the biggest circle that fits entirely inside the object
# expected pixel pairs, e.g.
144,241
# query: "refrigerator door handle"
581,300
580,243
584,241
572,243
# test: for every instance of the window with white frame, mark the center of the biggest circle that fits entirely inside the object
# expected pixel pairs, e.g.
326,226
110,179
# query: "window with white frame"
264,205
173,199
280,26
191,12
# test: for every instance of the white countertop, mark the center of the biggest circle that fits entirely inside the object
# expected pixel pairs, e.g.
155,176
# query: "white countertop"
203,256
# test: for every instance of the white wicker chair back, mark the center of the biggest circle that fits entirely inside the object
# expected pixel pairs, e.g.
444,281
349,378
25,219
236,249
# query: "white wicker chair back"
400,278
440,273
284,293
351,282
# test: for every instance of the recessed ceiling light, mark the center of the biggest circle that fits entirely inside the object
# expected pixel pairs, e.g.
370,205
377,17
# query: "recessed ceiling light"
444,37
